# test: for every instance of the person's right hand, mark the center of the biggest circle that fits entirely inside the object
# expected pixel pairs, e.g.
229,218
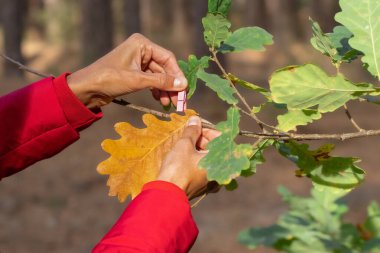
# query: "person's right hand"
180,166
136,64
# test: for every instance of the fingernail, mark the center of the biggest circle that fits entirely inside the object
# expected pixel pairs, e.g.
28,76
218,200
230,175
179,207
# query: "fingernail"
180,82
194,121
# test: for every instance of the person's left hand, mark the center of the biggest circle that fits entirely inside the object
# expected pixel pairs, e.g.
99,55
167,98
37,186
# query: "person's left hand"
134,65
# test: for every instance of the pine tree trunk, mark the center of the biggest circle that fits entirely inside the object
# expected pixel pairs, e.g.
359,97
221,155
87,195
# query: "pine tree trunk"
131,17
13,21
97,29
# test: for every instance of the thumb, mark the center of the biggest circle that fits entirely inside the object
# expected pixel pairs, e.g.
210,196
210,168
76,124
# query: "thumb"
163,81
193,129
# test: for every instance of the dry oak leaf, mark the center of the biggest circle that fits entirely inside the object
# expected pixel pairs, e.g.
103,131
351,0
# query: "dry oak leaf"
135,158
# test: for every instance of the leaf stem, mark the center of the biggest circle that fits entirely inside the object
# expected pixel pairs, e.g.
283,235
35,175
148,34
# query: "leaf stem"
249,109
351,119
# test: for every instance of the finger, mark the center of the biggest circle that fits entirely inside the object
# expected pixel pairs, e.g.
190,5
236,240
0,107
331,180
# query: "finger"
146,53
210,134
193,129
155,67
162,81
207,136
174,97
164,98
166,59
213,187
202,143
156,94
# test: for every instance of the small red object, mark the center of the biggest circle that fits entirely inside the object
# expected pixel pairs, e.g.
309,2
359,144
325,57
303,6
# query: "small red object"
182,103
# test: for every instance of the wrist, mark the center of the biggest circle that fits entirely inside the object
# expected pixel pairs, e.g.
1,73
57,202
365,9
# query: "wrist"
77,83
173,179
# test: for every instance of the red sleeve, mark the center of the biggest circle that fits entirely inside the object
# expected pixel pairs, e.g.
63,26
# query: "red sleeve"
158,220
38,121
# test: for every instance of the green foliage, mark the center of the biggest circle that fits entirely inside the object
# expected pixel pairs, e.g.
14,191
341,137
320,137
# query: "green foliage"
258,157
293,118
216,29
313,224
226,160
323,169
303,93
335,44
307,87
219,85
219,6
363,20
254,38
249,86
191,69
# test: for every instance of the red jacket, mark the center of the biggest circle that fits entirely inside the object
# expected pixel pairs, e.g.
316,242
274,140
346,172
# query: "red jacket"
38,121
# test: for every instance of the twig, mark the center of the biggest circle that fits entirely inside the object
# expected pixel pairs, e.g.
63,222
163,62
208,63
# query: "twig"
40,74
352,119
199,200
263,123
249,112
25,68
264,136
207,124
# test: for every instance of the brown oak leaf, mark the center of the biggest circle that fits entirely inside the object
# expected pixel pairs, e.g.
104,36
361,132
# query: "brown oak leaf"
135,158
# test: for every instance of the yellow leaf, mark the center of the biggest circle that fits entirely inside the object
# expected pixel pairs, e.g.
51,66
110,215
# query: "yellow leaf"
135,158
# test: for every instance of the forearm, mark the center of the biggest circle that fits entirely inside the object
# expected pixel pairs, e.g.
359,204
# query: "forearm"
39,121
157,220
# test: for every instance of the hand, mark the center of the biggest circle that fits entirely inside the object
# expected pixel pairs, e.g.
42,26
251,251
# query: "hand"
180,166
134,65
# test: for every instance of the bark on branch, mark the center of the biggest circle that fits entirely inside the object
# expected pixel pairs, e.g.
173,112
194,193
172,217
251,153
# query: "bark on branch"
208,124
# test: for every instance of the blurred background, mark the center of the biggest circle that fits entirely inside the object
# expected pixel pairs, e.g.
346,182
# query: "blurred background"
61,204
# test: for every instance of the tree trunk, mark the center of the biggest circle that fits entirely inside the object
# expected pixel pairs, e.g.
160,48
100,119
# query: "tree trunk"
13,21
97,29
131,17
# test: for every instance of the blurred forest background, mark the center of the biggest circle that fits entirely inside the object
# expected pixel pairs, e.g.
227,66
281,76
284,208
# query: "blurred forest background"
61,204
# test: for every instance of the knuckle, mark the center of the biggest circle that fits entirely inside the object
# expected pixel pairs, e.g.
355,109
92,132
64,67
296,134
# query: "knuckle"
136,36
162,79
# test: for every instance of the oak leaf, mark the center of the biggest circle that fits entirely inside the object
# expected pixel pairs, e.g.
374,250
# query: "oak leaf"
135,158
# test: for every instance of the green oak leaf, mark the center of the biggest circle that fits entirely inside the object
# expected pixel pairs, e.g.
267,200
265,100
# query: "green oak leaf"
372,246
293,118
323,169
257,158
253,38
339,39
372,223
307,87
219,6
191,68
233,185
268,236
219,85
363,20
335,44
320,41
225,159
249,86
216,30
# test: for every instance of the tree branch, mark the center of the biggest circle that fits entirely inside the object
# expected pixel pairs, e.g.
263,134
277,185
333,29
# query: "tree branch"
249,112
207,124
23,67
